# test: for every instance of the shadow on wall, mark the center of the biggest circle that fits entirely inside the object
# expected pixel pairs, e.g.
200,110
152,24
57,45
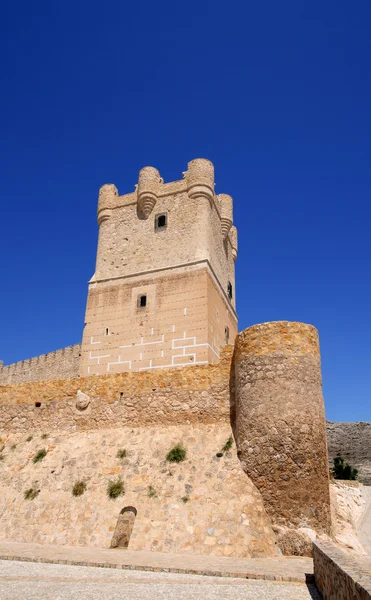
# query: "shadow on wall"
124,527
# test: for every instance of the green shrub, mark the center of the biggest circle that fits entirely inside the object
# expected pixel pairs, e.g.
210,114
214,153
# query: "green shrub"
151,492
185,499
177,454
31,494
44,436
29,438
342,470
228,445
40,454
219,454
79,488
115,488
121,453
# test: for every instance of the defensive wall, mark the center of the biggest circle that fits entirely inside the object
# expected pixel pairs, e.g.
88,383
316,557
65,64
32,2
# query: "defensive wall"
267,390
59,364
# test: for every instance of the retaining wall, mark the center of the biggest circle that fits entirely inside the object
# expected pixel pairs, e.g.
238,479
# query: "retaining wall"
341,576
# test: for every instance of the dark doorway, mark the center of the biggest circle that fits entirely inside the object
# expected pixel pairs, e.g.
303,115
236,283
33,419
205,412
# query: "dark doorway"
124,527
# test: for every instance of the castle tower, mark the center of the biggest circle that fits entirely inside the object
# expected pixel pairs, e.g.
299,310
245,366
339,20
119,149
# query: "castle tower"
163,292
280,421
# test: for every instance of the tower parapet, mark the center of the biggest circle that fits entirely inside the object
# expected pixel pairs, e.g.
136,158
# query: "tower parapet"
200,179
108,195
148,184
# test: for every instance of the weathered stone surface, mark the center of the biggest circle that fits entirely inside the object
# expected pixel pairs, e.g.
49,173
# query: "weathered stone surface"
204,505
353,442
280,421
340,575
60,364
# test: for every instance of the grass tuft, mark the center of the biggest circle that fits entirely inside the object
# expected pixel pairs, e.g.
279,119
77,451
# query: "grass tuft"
40,454
228,445
31,494
115,488
151,492
185,499
177,454
121,453
79,488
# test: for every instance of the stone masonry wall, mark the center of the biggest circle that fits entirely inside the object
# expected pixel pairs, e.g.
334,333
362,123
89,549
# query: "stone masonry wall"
340,575
60,364
353,442
203,505
197,394
280,421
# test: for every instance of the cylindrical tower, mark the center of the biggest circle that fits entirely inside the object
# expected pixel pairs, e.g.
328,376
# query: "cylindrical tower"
280,421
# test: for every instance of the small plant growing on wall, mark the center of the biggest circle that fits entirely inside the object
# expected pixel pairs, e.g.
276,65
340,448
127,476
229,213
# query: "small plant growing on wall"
115,488
40,454
121,453
228,445
31,494
151,492
177,454
79,488
342,470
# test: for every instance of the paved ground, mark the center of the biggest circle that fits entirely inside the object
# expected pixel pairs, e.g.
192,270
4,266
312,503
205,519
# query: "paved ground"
36,581
292,568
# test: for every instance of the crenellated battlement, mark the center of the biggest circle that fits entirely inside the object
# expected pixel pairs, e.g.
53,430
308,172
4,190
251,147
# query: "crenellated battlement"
60,364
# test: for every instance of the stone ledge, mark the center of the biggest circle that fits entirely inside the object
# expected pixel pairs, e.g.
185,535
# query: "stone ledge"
289,569
340,576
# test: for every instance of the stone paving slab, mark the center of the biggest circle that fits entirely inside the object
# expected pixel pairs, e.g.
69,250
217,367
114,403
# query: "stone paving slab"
293,568
35,581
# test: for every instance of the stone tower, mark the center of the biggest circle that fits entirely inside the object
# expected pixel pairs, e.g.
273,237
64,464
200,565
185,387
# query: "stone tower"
280,421
163,291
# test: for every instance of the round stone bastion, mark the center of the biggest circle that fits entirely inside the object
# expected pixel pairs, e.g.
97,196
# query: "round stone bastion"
280,421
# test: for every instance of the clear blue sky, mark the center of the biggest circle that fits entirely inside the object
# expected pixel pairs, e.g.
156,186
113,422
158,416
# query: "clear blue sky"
276,94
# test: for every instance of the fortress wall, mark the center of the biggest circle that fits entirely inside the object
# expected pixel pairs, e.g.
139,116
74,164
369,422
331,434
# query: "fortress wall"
54,365
204,505
197,394
280,421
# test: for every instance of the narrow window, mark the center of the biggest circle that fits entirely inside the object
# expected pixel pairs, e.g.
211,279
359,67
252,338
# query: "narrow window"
142,301
230,290
107,331
226,333
160,222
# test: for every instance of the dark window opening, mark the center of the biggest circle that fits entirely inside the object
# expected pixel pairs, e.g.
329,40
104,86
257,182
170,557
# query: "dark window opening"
230,290
160,222
142,301
226,333
107,331
37,404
